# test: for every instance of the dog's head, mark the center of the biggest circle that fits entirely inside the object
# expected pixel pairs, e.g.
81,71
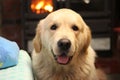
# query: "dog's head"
63,34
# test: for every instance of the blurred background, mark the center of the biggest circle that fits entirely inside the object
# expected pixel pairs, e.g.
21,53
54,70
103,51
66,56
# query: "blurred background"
18,20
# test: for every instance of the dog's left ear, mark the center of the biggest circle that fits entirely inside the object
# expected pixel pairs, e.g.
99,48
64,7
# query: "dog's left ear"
86,34
37,39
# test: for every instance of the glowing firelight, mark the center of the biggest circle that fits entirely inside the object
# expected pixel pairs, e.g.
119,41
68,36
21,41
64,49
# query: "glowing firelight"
41,6
49,8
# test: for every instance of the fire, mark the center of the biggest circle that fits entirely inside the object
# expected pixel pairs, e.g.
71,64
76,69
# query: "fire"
41,6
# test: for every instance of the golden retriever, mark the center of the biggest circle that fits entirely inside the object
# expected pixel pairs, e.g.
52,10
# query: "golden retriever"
62,48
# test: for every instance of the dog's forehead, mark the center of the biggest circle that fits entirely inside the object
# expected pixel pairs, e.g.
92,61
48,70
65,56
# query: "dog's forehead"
63,14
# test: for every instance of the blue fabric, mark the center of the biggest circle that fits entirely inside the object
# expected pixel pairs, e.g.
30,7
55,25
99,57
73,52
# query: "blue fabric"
9,52
22,71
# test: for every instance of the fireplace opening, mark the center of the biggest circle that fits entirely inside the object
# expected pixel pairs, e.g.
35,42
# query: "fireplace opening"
41,6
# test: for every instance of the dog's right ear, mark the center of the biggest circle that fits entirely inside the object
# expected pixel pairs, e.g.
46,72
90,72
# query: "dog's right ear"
37,39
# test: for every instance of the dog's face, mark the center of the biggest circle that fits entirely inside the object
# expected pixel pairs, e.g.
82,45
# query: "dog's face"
62,34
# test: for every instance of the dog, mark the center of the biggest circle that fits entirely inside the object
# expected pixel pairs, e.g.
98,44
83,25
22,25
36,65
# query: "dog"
62,48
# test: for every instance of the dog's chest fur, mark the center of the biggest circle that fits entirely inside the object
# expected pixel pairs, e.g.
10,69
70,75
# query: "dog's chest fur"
48,69
62,73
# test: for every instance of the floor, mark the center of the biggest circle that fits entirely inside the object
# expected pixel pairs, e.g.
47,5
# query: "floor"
114,77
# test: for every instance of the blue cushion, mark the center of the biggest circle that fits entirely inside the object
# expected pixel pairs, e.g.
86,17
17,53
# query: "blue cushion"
22,71
8,53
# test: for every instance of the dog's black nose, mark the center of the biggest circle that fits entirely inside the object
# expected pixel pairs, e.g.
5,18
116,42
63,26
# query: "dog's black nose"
64,44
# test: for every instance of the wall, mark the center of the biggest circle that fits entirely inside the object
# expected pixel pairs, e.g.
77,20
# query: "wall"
0,17
11,20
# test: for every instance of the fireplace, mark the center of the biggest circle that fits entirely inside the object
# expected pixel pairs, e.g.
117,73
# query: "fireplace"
41,6
97,14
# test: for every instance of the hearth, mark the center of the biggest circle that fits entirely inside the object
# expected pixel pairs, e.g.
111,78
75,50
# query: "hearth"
97,14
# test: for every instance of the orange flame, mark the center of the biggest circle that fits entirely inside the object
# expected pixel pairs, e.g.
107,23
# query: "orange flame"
41,6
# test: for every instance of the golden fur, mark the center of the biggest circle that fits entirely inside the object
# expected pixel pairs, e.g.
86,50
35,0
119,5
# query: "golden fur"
81,66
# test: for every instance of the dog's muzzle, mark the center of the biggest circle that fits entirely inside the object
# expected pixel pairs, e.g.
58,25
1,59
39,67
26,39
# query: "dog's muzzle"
64,47
64,44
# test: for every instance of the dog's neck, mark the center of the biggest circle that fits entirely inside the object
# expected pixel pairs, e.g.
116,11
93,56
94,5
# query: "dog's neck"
80,70
70,71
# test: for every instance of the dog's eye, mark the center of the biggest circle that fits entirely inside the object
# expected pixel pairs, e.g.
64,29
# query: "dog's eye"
53,27
75,28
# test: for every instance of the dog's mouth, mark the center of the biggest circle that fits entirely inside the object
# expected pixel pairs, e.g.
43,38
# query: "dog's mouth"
62,59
